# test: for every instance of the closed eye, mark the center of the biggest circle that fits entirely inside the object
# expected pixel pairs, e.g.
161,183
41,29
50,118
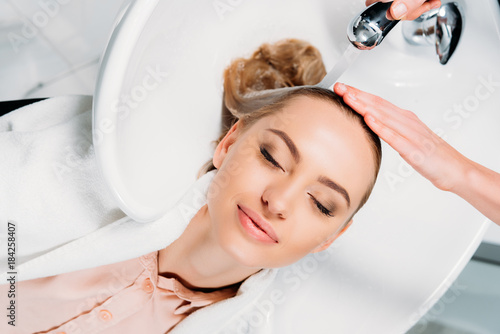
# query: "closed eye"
323,210
265,153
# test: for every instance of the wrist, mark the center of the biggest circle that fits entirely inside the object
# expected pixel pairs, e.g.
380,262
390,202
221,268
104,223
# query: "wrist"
466,178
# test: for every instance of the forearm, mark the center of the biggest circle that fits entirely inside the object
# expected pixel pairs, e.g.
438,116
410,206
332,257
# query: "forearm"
480,187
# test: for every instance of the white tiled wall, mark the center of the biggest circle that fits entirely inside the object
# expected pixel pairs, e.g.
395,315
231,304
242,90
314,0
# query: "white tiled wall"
52,47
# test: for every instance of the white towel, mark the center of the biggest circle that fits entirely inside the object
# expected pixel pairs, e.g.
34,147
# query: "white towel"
50,187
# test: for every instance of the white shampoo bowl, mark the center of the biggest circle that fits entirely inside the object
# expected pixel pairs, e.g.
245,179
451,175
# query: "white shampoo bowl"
157,108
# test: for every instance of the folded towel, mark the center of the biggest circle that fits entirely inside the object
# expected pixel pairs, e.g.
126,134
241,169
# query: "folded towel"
50,186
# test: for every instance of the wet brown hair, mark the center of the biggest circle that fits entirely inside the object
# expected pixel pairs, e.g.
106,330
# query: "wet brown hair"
286,63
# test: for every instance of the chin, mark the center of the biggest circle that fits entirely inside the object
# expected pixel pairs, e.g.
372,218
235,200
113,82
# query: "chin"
239,246
242,251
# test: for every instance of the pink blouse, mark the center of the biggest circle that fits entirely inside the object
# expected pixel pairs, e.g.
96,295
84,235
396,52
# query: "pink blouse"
123,297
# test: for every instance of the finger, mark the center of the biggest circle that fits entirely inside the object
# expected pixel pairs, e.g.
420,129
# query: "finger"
370,103
411,9
400,8
407,9
364,102
424,8
429,155
386,114
400,128
370,2
415,148
400,121
339,88
388,15
401,144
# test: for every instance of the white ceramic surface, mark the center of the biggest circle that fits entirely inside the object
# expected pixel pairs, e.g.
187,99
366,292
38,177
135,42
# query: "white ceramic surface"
48,48
157,107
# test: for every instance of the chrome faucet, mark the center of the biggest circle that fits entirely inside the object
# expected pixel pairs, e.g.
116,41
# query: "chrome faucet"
368,29
441,27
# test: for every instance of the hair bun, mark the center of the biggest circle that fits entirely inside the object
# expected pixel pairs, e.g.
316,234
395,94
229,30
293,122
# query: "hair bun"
286,63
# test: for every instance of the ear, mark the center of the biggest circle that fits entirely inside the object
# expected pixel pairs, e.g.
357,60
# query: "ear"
330,240
224,145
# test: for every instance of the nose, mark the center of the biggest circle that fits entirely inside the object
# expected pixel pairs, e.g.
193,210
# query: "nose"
279,198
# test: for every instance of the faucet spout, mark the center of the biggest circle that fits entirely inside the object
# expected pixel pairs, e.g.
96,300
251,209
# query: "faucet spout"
368,28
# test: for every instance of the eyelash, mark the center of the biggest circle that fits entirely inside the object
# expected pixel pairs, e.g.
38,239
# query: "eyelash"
323,210
265,153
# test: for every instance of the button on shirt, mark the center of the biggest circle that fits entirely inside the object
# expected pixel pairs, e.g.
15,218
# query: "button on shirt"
124,297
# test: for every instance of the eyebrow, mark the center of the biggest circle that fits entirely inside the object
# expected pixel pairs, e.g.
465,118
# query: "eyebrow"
296,156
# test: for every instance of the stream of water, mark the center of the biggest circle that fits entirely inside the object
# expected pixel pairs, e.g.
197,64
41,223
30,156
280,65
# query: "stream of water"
349,56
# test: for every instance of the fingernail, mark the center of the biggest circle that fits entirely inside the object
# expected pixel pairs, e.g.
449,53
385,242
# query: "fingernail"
399,11
351,96
341,87
370,119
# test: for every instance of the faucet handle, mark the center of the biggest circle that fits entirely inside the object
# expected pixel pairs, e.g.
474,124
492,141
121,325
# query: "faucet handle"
441,27
368,28
449,26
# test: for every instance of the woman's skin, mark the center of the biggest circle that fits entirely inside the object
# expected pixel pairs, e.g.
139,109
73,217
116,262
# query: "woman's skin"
216,251
408,9
426,152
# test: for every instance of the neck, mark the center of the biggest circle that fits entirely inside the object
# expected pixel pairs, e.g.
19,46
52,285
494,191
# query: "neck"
198,261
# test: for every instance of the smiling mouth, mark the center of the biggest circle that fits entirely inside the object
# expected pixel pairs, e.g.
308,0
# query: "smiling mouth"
258,226
254,229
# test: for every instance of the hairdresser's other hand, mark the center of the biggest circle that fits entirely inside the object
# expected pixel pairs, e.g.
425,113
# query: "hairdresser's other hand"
408,9
426,152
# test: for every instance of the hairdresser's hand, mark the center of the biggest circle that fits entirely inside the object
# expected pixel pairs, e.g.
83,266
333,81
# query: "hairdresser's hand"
426,152
408,9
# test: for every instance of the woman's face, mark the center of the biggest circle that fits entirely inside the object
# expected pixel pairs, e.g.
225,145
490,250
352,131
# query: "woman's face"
301,171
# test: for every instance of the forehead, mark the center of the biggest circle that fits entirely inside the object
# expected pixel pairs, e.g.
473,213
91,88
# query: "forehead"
329,142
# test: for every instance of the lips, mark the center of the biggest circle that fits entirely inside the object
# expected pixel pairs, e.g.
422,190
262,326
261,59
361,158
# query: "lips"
264,228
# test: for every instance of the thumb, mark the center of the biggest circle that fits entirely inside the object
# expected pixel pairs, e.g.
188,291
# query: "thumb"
411,9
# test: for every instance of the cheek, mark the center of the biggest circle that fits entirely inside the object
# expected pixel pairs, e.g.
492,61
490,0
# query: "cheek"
306,239
312,231
242,172
233,183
